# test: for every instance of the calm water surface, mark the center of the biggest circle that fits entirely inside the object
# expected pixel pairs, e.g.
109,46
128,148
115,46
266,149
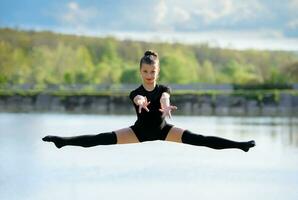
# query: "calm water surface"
34,170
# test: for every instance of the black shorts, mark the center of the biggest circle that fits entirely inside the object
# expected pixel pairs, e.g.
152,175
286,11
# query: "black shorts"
150,134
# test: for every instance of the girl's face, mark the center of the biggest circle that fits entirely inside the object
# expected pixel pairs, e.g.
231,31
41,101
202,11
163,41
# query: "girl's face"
149,73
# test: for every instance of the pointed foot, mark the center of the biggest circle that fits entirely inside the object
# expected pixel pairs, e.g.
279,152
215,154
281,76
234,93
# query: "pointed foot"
56,140
249,145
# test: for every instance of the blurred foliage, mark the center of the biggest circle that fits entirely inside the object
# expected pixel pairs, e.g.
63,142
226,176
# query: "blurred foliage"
41,58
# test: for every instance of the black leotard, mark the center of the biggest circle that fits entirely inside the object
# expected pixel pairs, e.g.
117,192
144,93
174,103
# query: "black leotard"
150,125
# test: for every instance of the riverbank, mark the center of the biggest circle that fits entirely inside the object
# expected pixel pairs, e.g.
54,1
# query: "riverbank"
254,103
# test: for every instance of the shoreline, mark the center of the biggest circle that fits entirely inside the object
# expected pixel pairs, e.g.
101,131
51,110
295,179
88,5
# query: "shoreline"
271,103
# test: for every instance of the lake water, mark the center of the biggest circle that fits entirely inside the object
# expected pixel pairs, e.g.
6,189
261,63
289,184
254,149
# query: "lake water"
31,169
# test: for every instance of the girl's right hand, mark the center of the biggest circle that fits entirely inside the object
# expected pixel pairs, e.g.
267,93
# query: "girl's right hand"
143,103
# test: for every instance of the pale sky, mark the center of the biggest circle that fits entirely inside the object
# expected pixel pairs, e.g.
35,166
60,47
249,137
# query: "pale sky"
261,24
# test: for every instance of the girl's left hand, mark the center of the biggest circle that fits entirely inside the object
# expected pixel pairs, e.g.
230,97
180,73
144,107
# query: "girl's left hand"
167,111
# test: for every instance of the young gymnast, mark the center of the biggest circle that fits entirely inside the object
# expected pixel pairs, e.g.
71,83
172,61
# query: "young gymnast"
152,105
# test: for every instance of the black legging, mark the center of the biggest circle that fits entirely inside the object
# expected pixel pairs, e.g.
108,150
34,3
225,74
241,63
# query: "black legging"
83,140
214,142
111,138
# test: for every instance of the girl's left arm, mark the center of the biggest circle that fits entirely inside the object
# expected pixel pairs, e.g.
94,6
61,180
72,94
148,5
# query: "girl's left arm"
165,100
166,107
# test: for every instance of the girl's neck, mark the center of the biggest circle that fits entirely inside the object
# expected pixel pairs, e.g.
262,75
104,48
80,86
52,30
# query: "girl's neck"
149,87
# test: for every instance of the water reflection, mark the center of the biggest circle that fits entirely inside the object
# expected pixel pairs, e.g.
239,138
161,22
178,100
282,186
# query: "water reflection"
287,128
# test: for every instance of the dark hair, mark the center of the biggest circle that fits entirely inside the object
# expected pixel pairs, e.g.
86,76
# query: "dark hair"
150,57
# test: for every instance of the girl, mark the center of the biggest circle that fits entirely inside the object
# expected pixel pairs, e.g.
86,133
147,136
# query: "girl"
152,105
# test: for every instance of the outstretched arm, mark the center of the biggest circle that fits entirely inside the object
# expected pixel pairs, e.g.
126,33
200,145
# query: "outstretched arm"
166,107
142,102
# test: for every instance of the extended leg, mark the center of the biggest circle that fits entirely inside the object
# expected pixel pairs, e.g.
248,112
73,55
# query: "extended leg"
214,142
83,140
184,136
121,136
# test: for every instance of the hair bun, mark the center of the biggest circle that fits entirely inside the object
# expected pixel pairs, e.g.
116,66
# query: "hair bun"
150,57
150,52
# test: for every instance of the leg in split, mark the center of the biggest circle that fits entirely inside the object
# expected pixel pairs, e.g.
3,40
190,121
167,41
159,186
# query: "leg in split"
122,136
184,136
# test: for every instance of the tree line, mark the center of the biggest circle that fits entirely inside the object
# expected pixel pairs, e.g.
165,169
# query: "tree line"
43,58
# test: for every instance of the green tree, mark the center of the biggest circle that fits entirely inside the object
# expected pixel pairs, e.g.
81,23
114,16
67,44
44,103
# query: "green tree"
38,66
291,72
45,57
101,73
21,67
83,67
235,72
110,63
179,68
6,68
130,76
207,72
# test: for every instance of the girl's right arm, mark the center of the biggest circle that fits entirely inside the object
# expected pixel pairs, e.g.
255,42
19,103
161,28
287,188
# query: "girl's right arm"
142,102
